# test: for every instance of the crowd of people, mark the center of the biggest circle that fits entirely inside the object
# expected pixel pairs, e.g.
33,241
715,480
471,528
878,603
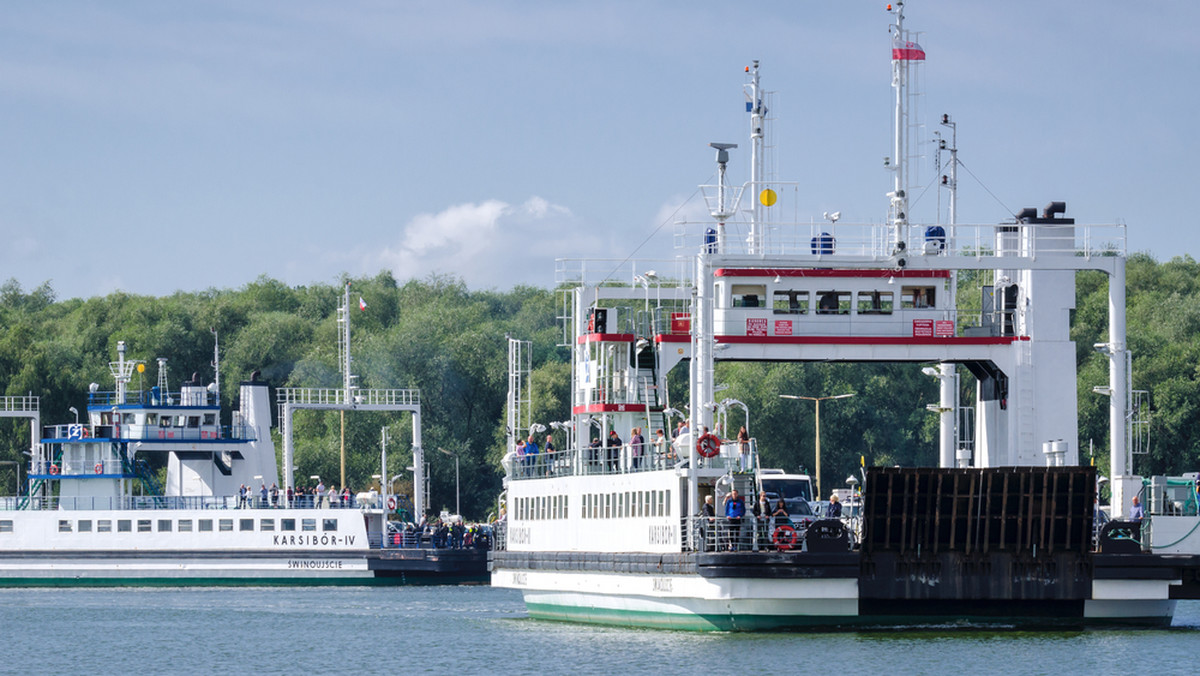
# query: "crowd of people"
300,497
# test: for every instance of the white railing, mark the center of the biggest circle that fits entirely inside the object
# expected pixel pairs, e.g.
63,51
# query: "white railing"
831,240
317,396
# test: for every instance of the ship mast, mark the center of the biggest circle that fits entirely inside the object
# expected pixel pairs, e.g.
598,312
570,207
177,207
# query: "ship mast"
758,111
905,56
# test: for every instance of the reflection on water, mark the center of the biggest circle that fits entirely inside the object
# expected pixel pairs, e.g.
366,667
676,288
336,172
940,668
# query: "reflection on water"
483,630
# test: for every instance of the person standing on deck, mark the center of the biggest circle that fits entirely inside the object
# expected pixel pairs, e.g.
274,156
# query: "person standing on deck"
613,452
1136,513
735,509
319,494
661,449
637,447
531,453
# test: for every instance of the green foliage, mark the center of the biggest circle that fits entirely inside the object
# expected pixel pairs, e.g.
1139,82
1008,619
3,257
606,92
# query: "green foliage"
437,335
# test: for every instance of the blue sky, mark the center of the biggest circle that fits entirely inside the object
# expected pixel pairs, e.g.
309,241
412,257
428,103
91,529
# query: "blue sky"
155,146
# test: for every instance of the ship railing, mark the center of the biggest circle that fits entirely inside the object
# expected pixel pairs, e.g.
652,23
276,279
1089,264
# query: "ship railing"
154,397
500,536
653,277
747,534
81,432
326,396
609,460
827,241
26,404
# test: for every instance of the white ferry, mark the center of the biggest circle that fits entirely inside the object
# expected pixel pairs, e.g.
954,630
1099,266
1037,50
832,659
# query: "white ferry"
1002,533
93,512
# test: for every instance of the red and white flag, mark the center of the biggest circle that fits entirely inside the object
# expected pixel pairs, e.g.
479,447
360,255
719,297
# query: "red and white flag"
362,304
905,50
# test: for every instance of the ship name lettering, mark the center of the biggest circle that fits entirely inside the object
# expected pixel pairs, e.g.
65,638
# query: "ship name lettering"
519,536
310,540
662,535
314,564
519,578
662,584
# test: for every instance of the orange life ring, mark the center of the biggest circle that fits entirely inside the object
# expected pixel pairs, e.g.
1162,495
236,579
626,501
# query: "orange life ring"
54,469
708,445
785,537
99,468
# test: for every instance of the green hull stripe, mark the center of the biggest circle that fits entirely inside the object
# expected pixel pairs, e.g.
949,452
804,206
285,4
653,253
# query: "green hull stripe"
748,622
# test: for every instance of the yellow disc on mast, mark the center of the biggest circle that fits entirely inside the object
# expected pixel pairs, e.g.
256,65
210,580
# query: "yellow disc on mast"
767,197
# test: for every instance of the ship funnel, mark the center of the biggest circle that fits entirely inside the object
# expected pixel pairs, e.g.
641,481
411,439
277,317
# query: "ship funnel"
1053,209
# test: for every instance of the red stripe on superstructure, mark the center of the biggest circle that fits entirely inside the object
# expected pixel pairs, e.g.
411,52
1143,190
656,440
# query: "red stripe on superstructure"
869,340
673,338
606,338
771,272
609,408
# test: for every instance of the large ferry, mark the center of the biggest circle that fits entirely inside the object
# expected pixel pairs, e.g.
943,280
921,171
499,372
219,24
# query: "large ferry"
95,511
1003,531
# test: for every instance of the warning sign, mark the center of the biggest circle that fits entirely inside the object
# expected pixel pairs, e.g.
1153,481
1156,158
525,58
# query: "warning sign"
783,327
756,326
944,328
922,328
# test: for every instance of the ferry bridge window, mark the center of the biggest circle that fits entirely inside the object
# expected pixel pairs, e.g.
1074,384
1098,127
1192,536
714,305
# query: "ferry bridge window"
287,524
917,297
164,525
245,524
210,419
64,526
144,525
266,524
206,525
329,524
104,526
124,525
193,421
308,525
185,525
749,295
6,526
875,302
790,302
151,418
164,421
128,418
85,525
833,302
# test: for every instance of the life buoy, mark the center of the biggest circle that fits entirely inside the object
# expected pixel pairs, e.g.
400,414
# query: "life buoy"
54,469
708,445
99,468
391,503
785,537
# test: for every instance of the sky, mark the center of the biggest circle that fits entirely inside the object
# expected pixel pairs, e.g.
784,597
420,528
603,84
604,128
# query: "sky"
155,146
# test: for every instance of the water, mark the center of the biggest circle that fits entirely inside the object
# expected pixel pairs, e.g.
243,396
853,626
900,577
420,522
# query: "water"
471,630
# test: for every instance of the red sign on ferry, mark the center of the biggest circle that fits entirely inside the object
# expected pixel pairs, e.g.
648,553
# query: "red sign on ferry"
943,328
756,326
681,322
783,327
922,328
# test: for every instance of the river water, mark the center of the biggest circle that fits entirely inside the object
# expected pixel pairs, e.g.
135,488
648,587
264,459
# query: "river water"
481,630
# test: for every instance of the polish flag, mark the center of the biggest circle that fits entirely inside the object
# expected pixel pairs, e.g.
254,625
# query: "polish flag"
905,50
362,304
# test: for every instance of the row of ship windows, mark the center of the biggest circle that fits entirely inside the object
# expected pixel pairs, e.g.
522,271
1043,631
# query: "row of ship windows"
181,525
163,420
541,508
626,504
797,302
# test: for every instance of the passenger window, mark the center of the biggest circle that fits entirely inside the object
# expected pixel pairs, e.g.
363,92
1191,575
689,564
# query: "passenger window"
917,297
328,524
185,525
790,302
874,302
749,295
833,302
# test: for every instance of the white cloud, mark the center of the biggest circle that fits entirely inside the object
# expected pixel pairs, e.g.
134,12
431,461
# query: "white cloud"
492,243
